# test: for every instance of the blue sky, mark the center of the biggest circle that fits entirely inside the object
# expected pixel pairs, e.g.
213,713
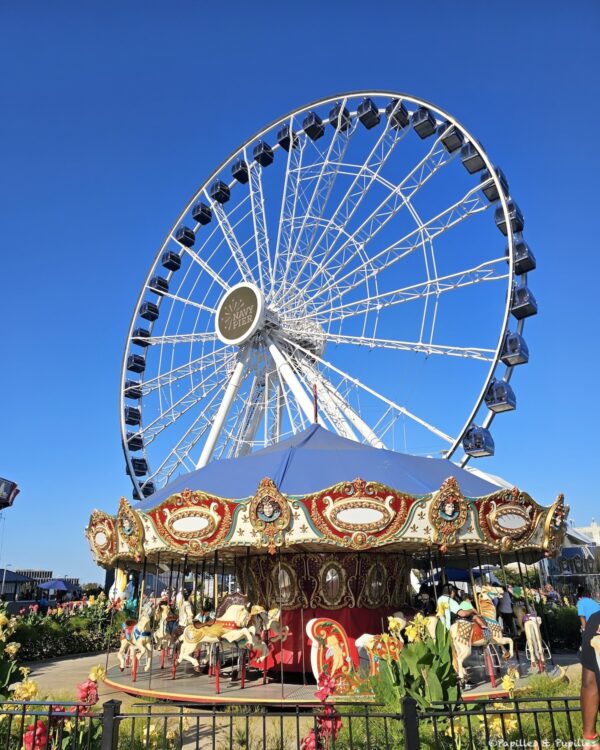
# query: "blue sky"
115,112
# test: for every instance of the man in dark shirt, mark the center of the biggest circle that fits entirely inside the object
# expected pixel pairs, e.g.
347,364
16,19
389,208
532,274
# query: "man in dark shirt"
590,680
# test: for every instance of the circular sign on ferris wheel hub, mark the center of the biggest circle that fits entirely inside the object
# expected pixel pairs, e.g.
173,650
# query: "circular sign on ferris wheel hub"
240,314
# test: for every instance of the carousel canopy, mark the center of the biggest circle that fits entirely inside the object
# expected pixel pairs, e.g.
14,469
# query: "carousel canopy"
318,492
316,458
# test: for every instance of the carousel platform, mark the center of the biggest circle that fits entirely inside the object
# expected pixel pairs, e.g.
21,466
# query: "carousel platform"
192,688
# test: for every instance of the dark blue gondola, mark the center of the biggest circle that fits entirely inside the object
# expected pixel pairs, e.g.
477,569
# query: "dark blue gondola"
240,171
201,213
149,311
185,236
263,154
339,118
133,389
514,350
313,126
490,189
171,261
158,285
451,137
500,397
471,158
423,122
286,137
524,258
139,465
133,415
147,490
523,304
368,113
136,363
134,442
397,114
140,336
517,222
478,442
220,192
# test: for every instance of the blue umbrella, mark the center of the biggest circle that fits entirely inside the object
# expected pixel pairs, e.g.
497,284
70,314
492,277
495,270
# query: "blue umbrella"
58,584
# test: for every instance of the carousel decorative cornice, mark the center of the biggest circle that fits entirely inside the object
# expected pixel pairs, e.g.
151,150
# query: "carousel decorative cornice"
354,515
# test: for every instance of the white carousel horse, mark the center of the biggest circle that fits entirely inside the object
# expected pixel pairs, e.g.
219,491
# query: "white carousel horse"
137,636
162,636
535,649
465,634
261,621
116,593
230,627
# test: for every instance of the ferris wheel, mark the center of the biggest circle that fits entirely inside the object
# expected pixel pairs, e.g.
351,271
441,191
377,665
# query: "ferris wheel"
363,247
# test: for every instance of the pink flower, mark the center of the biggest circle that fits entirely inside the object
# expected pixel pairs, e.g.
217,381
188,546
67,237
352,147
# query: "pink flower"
87,693
36,736
309,742
327,687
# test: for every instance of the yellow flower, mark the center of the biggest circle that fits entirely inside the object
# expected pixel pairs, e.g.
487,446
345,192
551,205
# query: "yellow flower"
441,609
69,725
395,624
456,731
97,673
508,683
3,620
12,649
26,690
25,672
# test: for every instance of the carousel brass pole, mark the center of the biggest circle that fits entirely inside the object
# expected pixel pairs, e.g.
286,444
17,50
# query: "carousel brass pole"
223,594
202,585
142,589
157,583
280,623
247,574
195,601
170,581
215,582
177,578
432,575
303,634
475,600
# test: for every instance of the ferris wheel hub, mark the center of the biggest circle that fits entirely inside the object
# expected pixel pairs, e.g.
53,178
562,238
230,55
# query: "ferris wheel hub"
241,313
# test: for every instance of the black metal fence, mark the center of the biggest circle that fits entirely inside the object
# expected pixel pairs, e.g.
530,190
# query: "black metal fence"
506,723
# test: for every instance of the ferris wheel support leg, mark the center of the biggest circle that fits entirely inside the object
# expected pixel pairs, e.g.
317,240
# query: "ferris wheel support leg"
289,376
230,393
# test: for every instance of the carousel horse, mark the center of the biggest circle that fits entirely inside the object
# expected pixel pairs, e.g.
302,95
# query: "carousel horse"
162,634
266,621
230,626
519,612
535,649
137,637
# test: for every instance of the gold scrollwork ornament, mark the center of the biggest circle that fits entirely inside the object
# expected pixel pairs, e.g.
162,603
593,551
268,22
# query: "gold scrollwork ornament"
270,515
448,512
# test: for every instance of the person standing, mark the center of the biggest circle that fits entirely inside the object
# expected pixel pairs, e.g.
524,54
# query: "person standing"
505,610
586,606
590,681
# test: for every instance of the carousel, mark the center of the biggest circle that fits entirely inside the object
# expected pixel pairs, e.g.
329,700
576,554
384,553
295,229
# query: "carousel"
273,566
313,363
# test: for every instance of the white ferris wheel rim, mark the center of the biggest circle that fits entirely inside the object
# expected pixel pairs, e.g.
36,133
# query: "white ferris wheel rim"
255,138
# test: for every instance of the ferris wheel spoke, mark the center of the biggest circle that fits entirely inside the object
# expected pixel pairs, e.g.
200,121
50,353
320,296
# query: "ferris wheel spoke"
233,386
419,175
319,198
484,272
231,240
355,381
333,413
288,374
251,417
364,175
469,205
164,379
181,338
350,414
259,220
182,449
189,302
468,352
206,267
189,400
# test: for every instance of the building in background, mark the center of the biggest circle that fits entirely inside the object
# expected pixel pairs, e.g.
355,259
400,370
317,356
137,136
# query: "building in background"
42,576
593,531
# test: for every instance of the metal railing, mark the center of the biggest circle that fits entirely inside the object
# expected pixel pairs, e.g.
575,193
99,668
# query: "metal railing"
507,723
